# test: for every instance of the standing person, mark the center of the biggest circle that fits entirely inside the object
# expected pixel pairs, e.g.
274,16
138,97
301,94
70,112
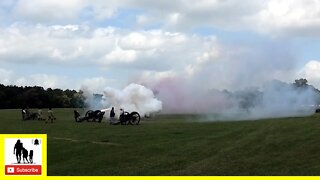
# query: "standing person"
23,112
76,116
40,117
18,150
50,116
112,115
27,112
122,118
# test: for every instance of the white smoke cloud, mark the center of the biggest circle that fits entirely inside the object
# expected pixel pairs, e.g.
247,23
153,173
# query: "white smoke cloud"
134,97
92,100
269,100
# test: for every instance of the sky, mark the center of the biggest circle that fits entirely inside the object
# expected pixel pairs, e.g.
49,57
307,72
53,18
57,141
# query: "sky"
216,44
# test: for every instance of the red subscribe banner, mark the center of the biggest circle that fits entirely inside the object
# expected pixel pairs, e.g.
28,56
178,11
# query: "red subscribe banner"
23,170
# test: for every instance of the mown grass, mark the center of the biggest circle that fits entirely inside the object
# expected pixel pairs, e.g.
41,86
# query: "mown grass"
176,145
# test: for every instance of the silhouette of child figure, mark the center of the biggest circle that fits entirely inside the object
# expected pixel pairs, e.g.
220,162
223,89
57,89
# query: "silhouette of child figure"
25,155
31,156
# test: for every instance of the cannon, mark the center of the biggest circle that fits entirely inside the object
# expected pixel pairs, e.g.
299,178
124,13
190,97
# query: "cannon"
27,115
126,118
132,118
90,116
30,116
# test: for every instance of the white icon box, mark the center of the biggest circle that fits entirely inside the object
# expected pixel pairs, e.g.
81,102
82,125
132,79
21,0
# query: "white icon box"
10,169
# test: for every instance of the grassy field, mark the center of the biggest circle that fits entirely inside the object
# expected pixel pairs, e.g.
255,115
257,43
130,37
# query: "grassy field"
176,145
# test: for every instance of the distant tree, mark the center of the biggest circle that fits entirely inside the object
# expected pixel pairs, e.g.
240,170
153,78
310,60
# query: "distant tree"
35,97
300,82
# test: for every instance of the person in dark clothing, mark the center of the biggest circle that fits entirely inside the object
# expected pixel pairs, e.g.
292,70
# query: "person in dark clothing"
76,115
27,112
112,115
122,118
18,150
23,112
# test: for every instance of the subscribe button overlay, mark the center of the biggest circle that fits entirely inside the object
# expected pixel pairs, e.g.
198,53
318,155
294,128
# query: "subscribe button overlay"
23,170
24,154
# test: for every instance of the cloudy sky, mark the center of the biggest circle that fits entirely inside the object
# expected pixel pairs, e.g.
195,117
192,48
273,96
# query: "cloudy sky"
213,43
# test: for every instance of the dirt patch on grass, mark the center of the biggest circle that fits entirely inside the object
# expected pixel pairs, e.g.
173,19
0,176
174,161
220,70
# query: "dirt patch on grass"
103,142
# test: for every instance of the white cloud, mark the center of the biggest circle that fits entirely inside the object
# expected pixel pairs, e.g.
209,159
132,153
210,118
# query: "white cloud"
51,44
273,17
49,10
151,78
43,80
311,71
103,11
95,84
290,17
203,60
5,76
142,40
120,56
64,11
187,55
144,20
82,45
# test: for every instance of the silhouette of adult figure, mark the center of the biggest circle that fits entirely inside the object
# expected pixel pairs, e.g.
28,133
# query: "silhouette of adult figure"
18,150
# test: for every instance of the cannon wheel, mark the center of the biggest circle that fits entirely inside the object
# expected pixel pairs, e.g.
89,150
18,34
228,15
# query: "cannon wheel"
135,118
99,115
87,116
33,116
126,119
96,116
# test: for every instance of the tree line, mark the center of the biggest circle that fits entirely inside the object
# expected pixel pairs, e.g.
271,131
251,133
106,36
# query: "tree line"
13,97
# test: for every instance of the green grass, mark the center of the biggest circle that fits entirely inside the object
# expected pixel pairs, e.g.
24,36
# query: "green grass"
176,145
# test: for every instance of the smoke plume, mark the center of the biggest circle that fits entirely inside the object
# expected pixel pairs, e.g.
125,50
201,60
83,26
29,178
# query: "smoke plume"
134,97
92,100
274,99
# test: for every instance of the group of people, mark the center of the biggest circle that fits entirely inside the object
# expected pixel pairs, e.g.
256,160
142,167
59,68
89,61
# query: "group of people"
20,150
113,119
27,115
